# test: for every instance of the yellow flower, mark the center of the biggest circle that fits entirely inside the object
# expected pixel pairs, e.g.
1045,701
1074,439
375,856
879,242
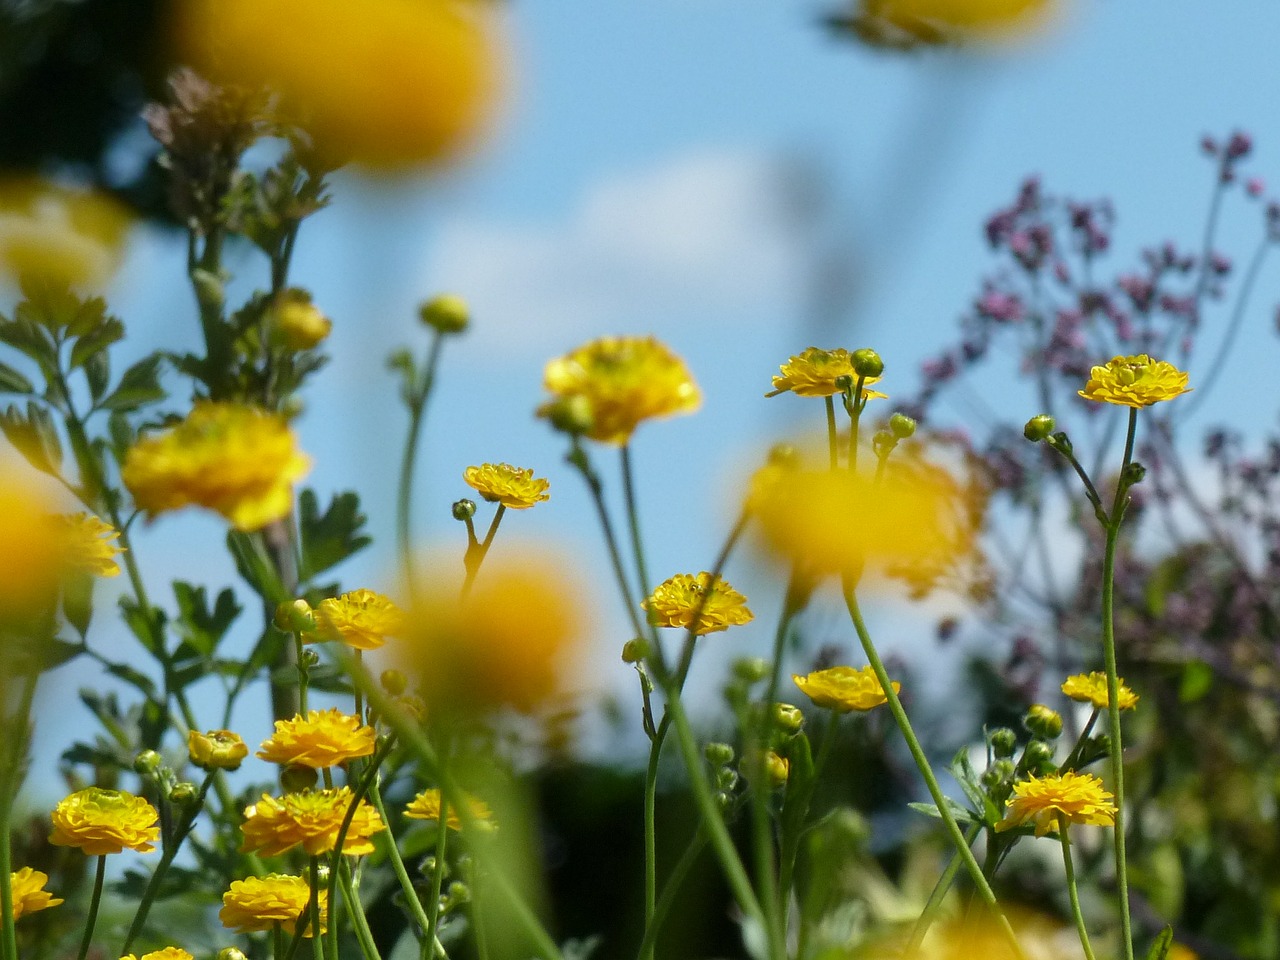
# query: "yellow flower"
844,688
1092,688
58,235
1135,382
32,555
259,903
323,738
298,322
383,82
623,382
29,894
90,544
1079,797
510,486
311,818
102,821
168,953
675,601
216,750
362,619
814,373
951,21
236,460
426,806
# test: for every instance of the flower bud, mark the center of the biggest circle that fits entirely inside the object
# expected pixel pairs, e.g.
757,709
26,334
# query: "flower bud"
464,509
1133,474
184,794
308,659
787,717
294,616
1004,770
1037,756
147,763
776,769
883,442
297,322
231,953
902,426
635,650
216,750
726,778
844,383
573,415
1003,742
1039,428
445,314
1043,722
458,893
718,754
783,455
394,682
751,669
295,778
867,363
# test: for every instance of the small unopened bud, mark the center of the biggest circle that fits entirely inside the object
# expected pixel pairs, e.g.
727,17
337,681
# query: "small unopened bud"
883,443
718,754
635,650
446,314
776,769
147,762
726,778
1043,722
295,616
322,872
457,893
1133,474
902,426
750,669
867,363
295,778
783,455
231,953
844,383
216,750
1039,428
787,717
1037,756
308,659
394,682
464,509
1004,770
298,323
573,415
1003,742
183,794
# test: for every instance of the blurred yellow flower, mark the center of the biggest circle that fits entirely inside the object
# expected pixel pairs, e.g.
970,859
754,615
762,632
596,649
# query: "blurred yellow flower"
58,235
676,601
621,382
323,738
99,821
216,750
237,460
954,21
32,554
298,323
362,619
1079,797
90,544
29,894
167,953
843,689
256,904
813,373
1135,382
513,487
311,818
426,806
1092,688
381,82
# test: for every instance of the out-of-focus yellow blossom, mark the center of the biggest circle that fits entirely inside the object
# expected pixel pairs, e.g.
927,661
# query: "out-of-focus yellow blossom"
90,544
237,460
1135,382
381,82
1079,797
216,750
32,554
298,322
1180,951
621,381
981,936
843,689
256,904
362,619
29,894
954,21
814,372
426,806
311,818
513,487
167,953
676,601
58,235
323,738
1092,688
99,821
507,643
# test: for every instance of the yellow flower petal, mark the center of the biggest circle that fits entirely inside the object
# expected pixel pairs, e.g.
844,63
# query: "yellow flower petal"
510,486
676,601
99,821
1079,797
1136,382
844,689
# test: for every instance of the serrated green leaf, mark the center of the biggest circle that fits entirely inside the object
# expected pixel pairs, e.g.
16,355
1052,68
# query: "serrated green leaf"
111,331
255,568
148,627
34,435
961,814
135,678
11,381
329,538
139,386
97,371
201,628
28,338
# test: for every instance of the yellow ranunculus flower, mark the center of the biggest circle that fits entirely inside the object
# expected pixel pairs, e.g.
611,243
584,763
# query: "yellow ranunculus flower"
1092,688
1078,796
676,601
362,619
166,953
813,373
29,894
99,821
217,749
958,21
256,904
57,235
843,689
311,819
1136,382
426,806
323,738
90,544
513,487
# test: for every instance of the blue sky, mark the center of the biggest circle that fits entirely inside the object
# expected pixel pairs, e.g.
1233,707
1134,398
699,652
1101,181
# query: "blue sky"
643,179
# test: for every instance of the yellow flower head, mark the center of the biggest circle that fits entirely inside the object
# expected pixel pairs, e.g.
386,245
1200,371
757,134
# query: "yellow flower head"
102,821
426,806
237,460
954,21
32,554
843,689
167,953
29,894
676,601
1135,382
623,381
362,619
58,235
256,904
311,818
323,738
814,373
299,324
90,544
1079,797
510,486
382,82
1092,688
216,750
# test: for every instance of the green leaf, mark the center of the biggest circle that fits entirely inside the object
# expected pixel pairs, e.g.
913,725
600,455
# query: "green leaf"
11,381
200,627
1162,945
135,678
139,385
148,627
28,338
254,567
97,371
94,342
34,435
329,538
77,601
961,814
56,652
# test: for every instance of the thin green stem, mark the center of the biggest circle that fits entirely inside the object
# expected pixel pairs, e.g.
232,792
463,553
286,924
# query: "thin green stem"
313,911
833,442
148,897
437,874
856,407
651,837
476,552
633,520
938,894
418,397
1072,890
94,901
355,910
670,890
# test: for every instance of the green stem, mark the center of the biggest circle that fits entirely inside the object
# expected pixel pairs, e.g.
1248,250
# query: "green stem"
355,909
94,900
476,552
651,837
633,520
832,433
437,874
313,910
148,896
404,494
1072,891
397,865
926,771
855,416
938,895
670,891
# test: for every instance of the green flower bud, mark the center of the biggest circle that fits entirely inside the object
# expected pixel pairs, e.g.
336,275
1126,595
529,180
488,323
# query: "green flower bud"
844,383
1037,756
458,893
573,415
787,717
464,509
309,658
902,426
751,669
718,754
184,794
1043,722
990,778
867,363
231,953
294,616
147,763
394,682
635,650
1133,474
776,769
445,314
1039,428
1004,770
883,442
726,778
295,778
1003,742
